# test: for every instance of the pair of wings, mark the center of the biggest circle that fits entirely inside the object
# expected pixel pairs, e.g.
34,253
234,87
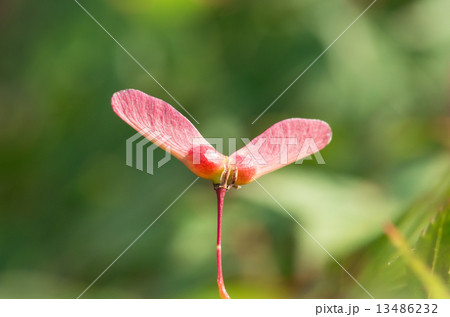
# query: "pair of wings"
280,145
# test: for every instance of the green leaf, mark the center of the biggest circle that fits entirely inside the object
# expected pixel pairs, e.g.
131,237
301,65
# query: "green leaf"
431,283
434,247
397,270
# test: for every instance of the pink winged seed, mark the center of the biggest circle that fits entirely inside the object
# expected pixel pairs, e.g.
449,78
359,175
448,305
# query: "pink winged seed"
156,120
163,125
302,130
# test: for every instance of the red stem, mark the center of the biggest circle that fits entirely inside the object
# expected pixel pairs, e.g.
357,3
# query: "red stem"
220,196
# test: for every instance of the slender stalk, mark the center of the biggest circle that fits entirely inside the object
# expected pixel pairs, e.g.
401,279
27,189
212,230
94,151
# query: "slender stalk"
220,196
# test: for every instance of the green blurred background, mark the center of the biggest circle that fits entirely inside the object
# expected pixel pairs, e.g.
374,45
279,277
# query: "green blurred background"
70,205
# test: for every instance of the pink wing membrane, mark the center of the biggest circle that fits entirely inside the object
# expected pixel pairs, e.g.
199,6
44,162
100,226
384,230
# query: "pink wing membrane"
283,143
162,124
156,120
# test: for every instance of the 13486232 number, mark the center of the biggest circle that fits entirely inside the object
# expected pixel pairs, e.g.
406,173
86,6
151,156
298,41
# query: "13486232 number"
407,308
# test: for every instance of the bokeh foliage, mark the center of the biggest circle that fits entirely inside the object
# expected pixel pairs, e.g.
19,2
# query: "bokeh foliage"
69,205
